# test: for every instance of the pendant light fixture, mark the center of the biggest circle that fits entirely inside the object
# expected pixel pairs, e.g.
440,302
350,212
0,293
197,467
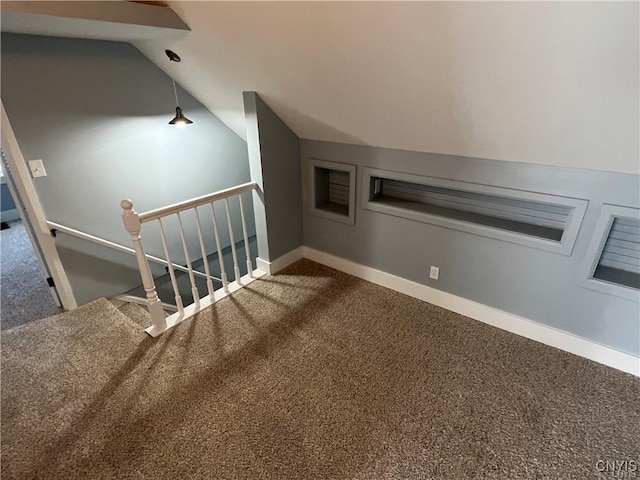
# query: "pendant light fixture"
180,120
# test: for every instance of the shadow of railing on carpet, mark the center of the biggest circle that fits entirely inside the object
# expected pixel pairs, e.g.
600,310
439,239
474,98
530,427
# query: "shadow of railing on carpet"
265,339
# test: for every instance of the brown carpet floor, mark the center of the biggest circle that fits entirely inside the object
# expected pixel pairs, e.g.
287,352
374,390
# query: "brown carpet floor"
309,374
24,293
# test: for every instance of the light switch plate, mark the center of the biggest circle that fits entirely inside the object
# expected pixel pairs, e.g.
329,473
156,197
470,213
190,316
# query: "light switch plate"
37,168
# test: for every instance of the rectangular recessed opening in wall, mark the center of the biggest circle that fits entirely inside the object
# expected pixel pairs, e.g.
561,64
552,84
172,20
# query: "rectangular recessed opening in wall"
332,187
332,191
613,260
539,220
620,259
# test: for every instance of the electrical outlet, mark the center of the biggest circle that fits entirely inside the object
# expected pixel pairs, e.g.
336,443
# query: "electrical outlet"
434,273
37,168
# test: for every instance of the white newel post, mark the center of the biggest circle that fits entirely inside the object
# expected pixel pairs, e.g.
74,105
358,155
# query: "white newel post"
133,226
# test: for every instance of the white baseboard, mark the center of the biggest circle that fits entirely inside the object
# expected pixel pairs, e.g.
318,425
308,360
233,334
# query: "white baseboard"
280,262
263,265
512,323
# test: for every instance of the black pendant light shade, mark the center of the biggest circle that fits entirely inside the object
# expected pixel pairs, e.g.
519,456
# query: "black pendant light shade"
180,119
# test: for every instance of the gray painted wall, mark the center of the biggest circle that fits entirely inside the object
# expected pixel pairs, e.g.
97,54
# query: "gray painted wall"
6,202
8,209
535,284
274,155
96,112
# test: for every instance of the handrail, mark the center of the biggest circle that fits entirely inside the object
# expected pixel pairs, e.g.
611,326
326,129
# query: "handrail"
195,202
120,248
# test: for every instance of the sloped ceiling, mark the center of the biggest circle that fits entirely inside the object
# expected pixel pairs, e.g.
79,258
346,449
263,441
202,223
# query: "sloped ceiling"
543,82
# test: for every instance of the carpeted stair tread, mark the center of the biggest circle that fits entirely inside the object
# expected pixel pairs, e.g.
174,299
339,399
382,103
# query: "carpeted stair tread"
137,314
81,349
81,334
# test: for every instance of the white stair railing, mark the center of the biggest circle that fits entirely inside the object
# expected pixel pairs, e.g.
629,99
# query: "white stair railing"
133,223
55,228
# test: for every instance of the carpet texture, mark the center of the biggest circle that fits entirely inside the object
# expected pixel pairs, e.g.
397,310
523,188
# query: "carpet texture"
309,374
24,293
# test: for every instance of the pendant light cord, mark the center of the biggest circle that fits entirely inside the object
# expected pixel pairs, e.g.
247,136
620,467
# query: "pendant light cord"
175,90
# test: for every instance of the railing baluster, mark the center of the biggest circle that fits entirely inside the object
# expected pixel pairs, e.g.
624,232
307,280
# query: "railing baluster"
205,259
246,238
172,273
223,273
236,270
194,288
133,225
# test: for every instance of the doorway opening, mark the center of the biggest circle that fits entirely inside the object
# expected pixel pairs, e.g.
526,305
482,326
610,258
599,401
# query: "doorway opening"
26,288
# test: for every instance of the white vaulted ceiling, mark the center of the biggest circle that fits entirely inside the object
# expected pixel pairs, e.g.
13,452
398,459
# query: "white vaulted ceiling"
543,82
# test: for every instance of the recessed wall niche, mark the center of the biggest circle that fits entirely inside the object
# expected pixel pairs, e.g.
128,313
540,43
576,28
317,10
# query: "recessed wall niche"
332,190
612,263
539,220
